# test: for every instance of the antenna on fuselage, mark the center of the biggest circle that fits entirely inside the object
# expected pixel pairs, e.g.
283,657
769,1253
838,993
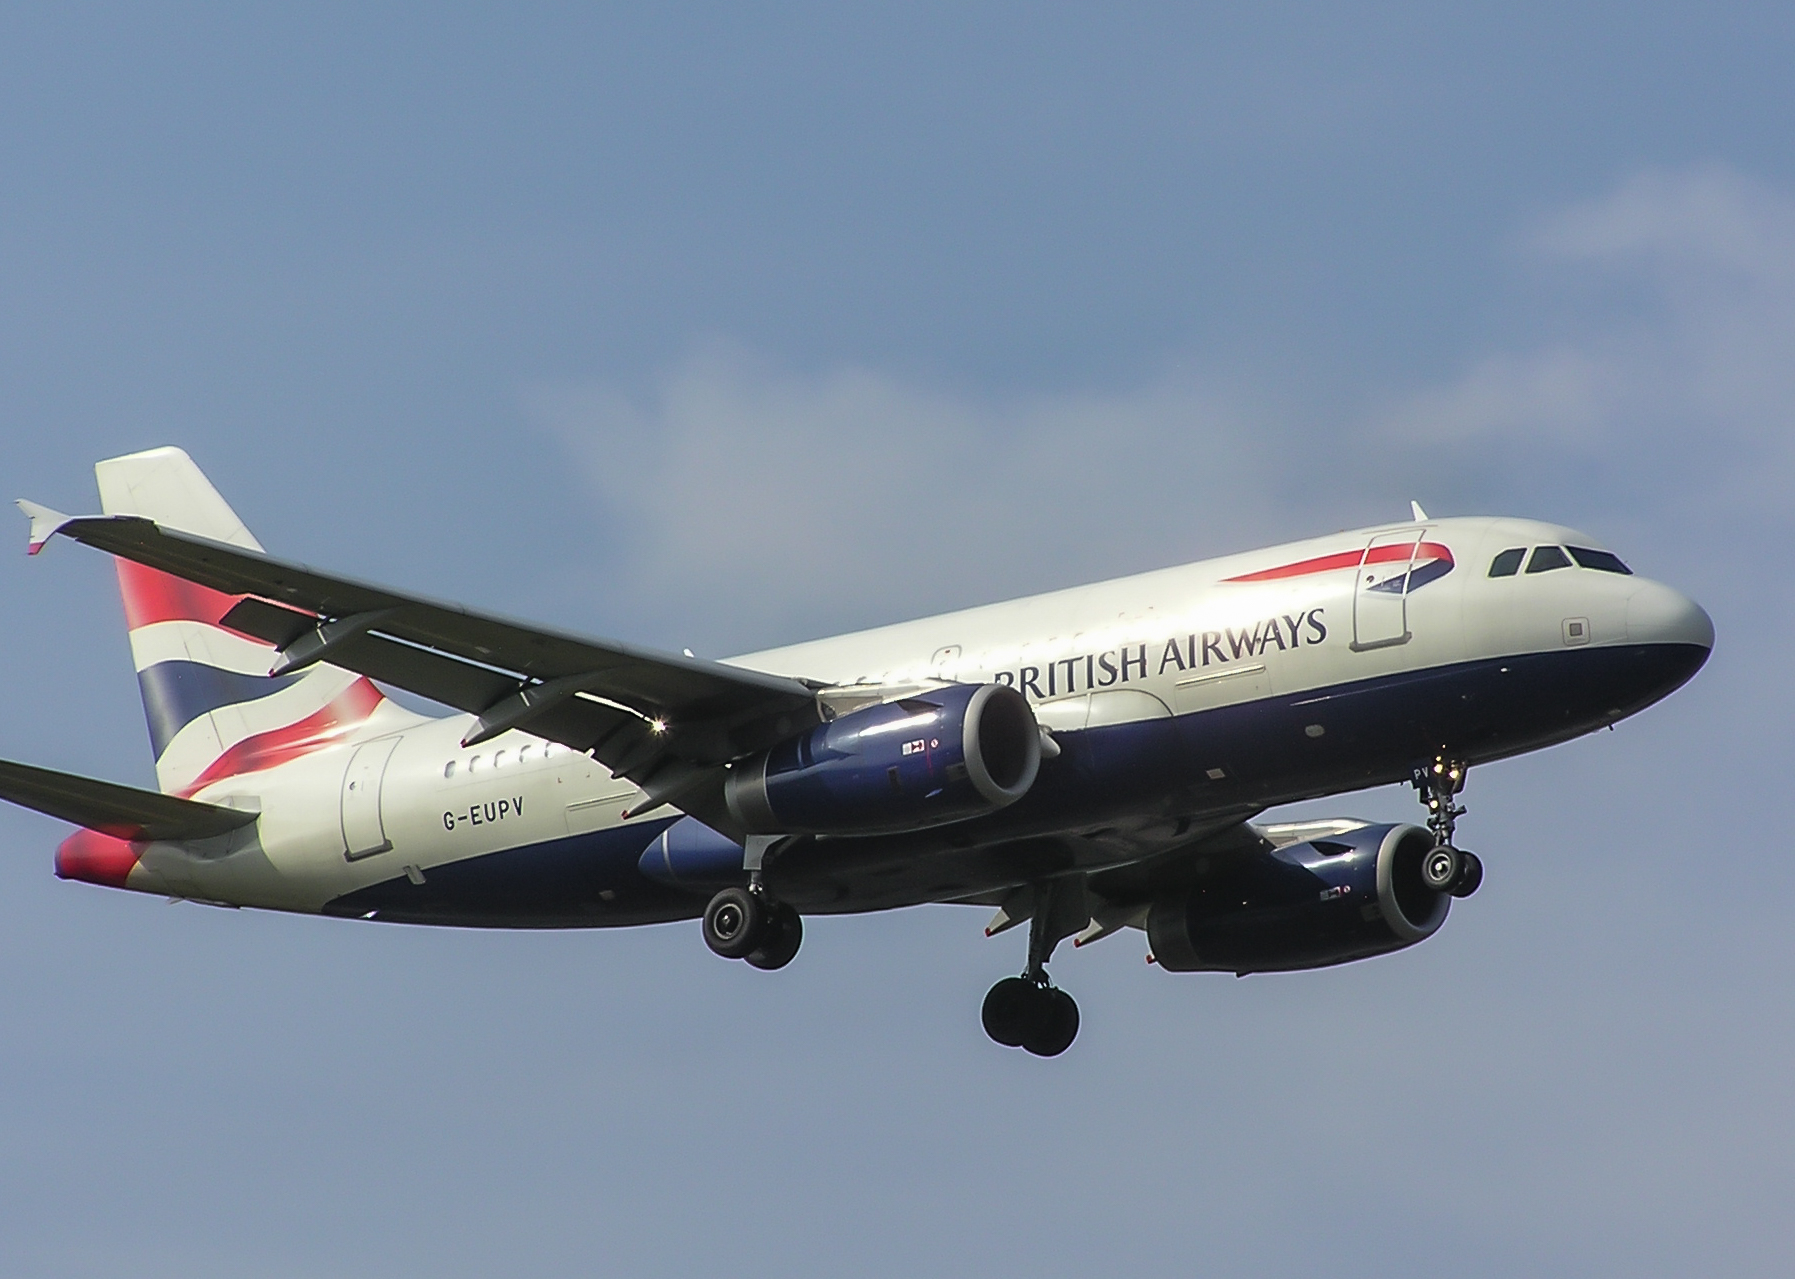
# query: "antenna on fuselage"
1415,510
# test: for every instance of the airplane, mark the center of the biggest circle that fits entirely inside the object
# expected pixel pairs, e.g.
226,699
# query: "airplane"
1082,762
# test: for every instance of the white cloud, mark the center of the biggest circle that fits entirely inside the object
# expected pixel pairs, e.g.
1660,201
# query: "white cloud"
1678,385
760,505
1564,392
850,497
1706,227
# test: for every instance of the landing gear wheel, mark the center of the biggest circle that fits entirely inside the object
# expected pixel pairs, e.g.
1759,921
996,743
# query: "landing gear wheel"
1470,875
785,933
1023,1013
1009,1010
1055,1023
1440,868
736,923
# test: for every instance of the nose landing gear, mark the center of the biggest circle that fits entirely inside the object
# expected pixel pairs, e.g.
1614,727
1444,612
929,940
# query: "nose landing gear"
1470,875
1445,869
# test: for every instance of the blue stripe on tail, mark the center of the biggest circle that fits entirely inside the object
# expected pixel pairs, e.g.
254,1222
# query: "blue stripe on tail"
177,693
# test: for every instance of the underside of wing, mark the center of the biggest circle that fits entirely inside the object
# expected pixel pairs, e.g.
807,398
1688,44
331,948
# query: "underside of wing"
1229,836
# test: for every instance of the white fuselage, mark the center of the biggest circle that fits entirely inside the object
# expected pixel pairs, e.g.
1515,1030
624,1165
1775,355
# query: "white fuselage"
404,800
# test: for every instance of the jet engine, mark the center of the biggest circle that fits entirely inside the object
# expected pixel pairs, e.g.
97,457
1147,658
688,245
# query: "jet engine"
937,757
1307,905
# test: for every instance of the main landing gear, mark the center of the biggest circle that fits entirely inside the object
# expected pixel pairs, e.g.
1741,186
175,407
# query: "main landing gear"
1030,1012
1026,1012
1445,869
744,923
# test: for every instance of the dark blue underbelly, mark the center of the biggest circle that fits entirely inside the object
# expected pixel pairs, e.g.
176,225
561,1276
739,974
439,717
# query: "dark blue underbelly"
1153,781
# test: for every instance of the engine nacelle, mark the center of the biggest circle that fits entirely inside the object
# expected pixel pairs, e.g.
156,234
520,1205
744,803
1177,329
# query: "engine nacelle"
941,756
1307,905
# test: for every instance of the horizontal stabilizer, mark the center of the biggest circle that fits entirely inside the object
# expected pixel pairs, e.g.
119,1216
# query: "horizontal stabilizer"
121,811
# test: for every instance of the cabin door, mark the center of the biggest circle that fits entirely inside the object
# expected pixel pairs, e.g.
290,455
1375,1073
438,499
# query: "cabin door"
364,834
1380,614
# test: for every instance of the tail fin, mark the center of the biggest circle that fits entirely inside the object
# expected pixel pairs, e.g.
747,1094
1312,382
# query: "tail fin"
213,710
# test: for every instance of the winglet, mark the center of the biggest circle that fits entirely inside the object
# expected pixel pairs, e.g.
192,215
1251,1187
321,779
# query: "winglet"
1415,510
45,524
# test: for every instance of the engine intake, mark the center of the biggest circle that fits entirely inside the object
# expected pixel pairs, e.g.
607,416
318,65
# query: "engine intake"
942,756
1306,905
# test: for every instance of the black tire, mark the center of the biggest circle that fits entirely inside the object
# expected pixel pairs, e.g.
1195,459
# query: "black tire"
1440,868
735,923
1009,1011
785,933
1470,875
1056,1024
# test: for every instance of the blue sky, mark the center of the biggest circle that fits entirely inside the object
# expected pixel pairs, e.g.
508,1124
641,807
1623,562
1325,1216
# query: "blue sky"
722,327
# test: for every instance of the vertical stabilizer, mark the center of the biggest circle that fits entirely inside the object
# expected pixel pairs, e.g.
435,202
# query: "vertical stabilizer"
164,485
213,710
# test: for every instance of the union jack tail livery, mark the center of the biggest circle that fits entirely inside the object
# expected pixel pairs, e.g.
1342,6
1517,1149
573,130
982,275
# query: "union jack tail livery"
214,711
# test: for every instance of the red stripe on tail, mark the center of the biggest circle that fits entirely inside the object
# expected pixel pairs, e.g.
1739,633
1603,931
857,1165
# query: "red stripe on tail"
345,711
154,596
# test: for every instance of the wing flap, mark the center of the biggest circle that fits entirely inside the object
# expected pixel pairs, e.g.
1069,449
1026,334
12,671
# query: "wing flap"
455,683
121,811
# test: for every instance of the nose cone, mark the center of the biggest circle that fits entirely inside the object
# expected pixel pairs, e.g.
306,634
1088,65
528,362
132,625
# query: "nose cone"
1658,615
1670,636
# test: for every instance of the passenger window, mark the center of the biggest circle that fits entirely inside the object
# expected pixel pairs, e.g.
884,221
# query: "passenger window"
1547,558
475,764
1601,561
1508,563
449,769
523,753
498,759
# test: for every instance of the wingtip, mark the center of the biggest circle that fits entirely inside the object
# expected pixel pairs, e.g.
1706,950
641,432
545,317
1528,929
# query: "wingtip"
45,523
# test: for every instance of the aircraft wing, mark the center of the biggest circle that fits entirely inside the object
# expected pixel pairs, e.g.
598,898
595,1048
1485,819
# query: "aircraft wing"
122,811
665,722
1228,836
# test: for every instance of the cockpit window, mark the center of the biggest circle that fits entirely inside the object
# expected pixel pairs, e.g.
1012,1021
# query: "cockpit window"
1508,563
1602,561
1547,558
